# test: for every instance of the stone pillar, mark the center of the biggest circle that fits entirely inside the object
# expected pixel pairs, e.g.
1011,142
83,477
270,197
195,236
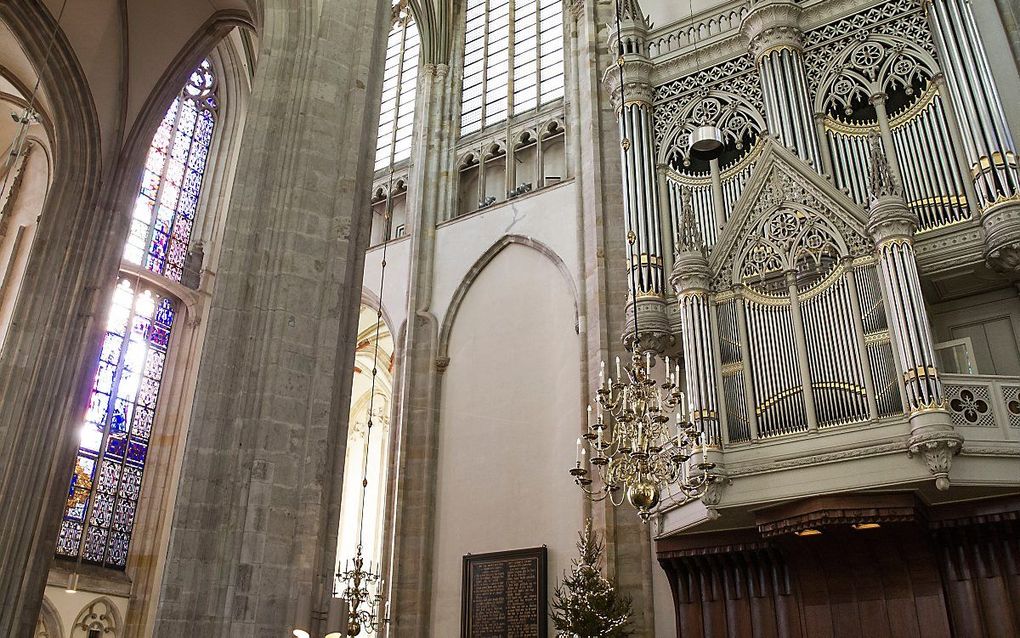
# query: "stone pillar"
988,142
776,42
643,219
892,225
257,512
690,280
47,362
432,179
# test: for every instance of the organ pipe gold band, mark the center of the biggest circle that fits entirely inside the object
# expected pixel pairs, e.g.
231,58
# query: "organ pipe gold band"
997,160
922,372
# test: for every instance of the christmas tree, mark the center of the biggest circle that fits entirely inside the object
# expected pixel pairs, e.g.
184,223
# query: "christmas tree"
586,604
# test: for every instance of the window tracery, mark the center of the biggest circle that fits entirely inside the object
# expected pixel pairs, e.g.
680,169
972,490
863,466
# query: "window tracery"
513,59
164,213
98,619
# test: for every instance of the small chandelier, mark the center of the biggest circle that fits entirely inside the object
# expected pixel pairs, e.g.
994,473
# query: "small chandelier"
648,448
362,588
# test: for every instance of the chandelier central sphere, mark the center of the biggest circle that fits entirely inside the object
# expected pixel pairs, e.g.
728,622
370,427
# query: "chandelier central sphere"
640,444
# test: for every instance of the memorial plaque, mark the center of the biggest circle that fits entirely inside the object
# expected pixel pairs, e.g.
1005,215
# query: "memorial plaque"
504,595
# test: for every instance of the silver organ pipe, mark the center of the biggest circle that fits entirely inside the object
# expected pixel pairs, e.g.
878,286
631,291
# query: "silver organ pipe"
989,145
775,367
932,183
837,375
851,158
734,177
730,358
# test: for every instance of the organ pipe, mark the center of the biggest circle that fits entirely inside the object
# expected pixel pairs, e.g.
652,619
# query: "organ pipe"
989,144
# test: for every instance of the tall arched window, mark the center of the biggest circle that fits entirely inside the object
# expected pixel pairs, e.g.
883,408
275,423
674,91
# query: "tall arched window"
172,180
400,81
362,520
513,59
103,493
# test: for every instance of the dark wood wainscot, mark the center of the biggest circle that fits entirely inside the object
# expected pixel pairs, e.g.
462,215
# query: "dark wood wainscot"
505,595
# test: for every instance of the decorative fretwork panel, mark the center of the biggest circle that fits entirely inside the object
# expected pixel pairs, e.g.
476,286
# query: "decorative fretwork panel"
970,406
1011,398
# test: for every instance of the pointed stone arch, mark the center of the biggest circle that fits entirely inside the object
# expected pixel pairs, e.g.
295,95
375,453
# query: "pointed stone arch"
49,625
450,317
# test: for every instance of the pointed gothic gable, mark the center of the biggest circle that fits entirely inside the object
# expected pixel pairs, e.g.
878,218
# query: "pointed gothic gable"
786,208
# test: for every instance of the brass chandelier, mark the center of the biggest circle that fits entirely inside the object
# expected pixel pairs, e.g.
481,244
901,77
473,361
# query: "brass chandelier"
644,439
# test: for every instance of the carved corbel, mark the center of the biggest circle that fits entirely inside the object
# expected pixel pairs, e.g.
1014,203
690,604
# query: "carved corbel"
937,449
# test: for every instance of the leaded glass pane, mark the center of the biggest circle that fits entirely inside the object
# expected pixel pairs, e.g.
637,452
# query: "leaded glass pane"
400,81
172,179
529,31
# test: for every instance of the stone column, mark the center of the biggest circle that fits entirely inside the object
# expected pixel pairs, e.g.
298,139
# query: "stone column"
892,225
257,512
987,140
643,221
432,179
776,43
690,280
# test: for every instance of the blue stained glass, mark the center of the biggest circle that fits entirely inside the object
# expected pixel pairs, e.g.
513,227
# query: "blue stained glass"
136,453
160,336
104,378
178,251
142,424
115,446
158,247
111,348
119,418
165,312
164,218
182,229
150,184
154,365
98,404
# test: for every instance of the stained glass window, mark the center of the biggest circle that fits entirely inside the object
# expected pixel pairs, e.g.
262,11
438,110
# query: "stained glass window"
114,437
164,210
513,59
400,79
103,493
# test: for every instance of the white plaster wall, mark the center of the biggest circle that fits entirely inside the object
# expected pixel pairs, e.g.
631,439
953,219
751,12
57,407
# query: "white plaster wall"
398,254
548,216
509,413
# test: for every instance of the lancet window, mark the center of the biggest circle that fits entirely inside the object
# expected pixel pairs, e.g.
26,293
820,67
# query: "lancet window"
164,212
400,81
513,59
104,488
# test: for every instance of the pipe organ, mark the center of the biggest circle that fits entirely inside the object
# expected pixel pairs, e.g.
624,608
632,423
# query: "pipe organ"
804,338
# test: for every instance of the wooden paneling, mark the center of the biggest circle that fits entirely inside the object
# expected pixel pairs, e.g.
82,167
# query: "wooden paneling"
950,572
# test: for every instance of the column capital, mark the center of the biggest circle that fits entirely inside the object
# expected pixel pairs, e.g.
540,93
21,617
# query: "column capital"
637,85
772,25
